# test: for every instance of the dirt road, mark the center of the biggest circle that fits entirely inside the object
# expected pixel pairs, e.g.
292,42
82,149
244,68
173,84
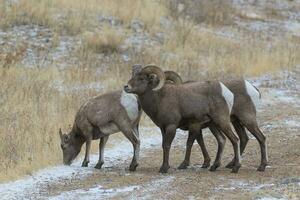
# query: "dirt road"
279,119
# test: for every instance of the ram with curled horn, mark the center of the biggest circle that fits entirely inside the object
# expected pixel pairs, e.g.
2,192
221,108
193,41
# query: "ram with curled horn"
173,77
243,116
173,106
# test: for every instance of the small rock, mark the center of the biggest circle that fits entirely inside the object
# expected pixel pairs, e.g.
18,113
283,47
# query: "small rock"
110,19
126,58
290,180
137,25
33,34
160,37
165,23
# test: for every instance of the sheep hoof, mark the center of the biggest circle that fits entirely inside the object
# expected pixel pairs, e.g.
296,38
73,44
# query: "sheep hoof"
99,165
261,168
214,167
183,165
230,165
164,169
133,167
205,165
235,169
85,163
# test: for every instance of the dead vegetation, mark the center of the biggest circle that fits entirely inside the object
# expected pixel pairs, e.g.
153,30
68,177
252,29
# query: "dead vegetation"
33,106
75,16
214,12
36,101
106,41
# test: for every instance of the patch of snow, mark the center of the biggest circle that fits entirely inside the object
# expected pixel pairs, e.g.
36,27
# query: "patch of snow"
29,187
270,198
137,25
293,27
251,14
275,96
63,89
244,185
42,47
283,96
292,123
24,188
96,193
154,186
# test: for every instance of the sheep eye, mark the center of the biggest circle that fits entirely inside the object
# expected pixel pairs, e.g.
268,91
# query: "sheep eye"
66,139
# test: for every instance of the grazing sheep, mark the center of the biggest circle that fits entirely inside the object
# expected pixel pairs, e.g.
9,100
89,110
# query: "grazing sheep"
98,118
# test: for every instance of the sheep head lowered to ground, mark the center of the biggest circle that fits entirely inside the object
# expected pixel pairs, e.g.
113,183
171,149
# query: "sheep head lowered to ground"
170,106
99,117
70,146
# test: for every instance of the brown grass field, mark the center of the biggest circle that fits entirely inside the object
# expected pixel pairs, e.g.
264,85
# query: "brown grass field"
35,102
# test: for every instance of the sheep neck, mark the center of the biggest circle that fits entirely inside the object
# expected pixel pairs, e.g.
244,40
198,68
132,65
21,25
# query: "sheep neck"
149,102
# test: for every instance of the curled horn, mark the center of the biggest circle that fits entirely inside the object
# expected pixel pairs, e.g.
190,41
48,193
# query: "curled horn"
153,69
60,134
174,77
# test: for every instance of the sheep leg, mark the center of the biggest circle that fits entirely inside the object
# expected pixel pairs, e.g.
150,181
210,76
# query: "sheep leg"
102,143
221,144
253,128
226,129
241,131
86,160
136,130
189,144
195,135
199,138
168,136
125,127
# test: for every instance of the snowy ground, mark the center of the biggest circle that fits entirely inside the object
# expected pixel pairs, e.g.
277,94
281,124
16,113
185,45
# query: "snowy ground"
279,118
30,187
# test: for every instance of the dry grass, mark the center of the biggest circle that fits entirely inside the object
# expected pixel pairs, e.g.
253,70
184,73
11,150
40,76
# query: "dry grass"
216,12
35,102
106,41
75,16
32,110
202,53
25,12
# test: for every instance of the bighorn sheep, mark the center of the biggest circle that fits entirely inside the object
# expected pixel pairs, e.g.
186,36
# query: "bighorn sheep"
243,115
173,106
98,118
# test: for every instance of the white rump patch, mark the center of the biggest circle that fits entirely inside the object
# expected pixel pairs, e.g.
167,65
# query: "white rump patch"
228,95
253,93
129,102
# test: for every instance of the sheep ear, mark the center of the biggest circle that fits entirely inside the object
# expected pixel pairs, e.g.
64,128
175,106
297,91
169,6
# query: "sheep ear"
136,69
60,134
67,138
